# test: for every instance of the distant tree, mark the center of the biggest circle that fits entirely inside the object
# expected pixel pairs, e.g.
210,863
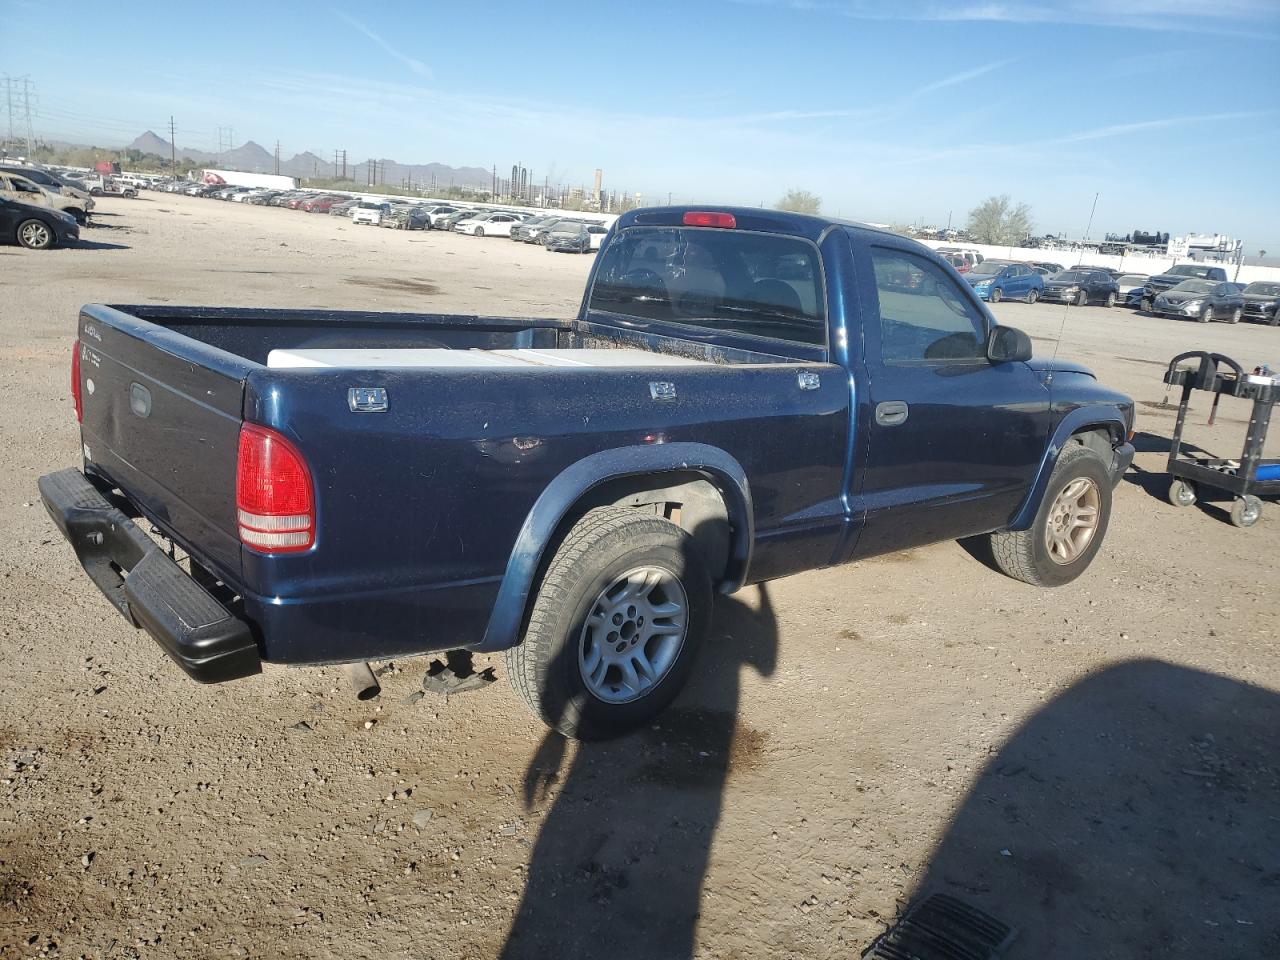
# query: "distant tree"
800,201
998,221
1261,254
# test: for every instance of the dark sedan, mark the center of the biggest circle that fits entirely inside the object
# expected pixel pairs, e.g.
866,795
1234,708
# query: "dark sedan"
1262,302
38,228
1203,300
568,236
1082,287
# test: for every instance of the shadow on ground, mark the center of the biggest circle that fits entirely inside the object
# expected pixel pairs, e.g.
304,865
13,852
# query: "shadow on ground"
1133,816
617,870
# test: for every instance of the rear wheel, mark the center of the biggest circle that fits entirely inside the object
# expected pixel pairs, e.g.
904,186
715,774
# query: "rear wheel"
1069,527
1111,299
35,234
994,295
1146,306
1033,295
1236,314
1182,493
615,625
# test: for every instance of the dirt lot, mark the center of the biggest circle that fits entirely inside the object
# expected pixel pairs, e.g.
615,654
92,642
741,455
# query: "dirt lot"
1097,765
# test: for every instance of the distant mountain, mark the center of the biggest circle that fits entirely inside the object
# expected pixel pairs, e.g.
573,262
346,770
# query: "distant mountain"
254,158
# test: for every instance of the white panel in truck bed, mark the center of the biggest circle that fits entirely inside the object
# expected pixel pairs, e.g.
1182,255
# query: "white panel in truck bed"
380,358
597,358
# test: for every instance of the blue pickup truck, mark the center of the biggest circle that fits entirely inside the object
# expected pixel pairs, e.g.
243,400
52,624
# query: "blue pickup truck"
743,395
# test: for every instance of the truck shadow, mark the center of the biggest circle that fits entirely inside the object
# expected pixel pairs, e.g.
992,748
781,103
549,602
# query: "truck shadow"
1156,482
618,867
1133,816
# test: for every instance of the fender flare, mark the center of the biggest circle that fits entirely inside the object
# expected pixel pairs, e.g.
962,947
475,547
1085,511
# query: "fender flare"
571,484
1081,418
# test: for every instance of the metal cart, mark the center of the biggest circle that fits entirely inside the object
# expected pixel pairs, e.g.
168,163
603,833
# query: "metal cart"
1221,376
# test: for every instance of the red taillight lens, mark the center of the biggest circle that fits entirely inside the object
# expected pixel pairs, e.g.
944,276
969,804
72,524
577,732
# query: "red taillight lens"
275,503
705,218
76,395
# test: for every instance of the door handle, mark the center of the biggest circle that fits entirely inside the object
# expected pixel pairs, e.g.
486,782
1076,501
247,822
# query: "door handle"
891,413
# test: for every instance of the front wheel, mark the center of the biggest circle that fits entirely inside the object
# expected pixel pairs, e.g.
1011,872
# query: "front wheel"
479,232
1182,493
35,235
1246,511
1146,306
1111,300
615,625
994,295
1068,528
1206,314
1082,299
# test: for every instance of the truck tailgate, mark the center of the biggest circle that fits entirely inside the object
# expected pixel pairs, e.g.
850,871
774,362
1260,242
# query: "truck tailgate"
162,422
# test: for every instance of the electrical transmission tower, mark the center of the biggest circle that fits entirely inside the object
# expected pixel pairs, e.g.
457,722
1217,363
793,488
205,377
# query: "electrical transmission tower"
18,99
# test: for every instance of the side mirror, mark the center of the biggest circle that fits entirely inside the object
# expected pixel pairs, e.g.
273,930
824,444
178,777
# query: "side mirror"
1008,345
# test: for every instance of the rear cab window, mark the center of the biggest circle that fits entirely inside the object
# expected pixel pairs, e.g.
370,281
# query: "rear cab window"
762,284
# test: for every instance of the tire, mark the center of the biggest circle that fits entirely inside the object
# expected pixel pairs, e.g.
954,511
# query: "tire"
1275,320
1082,299
479,232
1025,554
1111,300
1182,493
1033,295
1246,511
35,235
994,295
1145,306
1206,314
1236,314
559,644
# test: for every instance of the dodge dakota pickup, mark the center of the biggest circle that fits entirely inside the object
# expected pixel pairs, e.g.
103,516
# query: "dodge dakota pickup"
744,394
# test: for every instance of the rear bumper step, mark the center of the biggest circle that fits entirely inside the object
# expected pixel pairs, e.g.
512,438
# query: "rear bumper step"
148,588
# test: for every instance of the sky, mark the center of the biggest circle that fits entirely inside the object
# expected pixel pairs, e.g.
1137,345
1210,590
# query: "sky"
903,111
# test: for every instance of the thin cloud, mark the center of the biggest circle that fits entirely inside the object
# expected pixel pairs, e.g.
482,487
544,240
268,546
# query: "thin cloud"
1124,129
417,66
1198,16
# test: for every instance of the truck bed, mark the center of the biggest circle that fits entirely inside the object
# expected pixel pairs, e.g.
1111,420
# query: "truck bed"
400,563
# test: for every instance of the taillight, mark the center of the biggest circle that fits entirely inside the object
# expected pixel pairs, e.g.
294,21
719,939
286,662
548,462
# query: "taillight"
275,503
75,382
705,218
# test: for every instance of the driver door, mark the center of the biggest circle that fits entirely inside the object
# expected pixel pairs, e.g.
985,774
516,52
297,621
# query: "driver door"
953,440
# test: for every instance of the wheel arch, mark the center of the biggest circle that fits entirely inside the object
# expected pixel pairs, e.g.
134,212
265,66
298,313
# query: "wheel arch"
711,498
1091,426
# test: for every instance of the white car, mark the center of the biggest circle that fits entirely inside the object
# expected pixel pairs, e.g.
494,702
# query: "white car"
1130,282
366,211
597,232
489,225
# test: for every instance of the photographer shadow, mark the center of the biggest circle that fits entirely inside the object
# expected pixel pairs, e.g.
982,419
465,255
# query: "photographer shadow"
1133,816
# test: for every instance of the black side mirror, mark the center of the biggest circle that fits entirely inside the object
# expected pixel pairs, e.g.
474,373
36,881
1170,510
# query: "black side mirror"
1008,345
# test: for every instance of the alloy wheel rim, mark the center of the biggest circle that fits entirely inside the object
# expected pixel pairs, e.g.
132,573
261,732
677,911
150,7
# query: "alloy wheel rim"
1073,520
35,234
633,634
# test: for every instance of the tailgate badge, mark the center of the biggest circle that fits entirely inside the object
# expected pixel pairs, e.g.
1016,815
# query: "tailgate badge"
367,399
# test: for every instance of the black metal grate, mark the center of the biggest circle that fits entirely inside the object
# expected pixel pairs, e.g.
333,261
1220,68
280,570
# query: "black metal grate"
942,928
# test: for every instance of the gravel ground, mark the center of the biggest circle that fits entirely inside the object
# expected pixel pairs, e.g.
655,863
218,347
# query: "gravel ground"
1097,764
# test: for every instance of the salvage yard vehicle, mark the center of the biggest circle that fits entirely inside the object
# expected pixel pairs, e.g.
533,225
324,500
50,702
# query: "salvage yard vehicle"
110,187
996,280
566,236
495,224
744,394
1262,302
1176,275
18,188
51,182
369,211
37,228
1202,300
1081,287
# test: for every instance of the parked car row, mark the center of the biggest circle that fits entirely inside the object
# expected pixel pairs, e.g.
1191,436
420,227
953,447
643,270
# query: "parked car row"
554,231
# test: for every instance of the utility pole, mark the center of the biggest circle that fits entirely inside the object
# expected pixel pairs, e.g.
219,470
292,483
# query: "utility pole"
277,158
8,87
173,151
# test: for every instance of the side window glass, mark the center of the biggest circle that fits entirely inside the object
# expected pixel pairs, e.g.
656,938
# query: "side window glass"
923,316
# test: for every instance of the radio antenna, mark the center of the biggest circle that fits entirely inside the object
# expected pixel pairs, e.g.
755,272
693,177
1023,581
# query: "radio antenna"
1067,306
